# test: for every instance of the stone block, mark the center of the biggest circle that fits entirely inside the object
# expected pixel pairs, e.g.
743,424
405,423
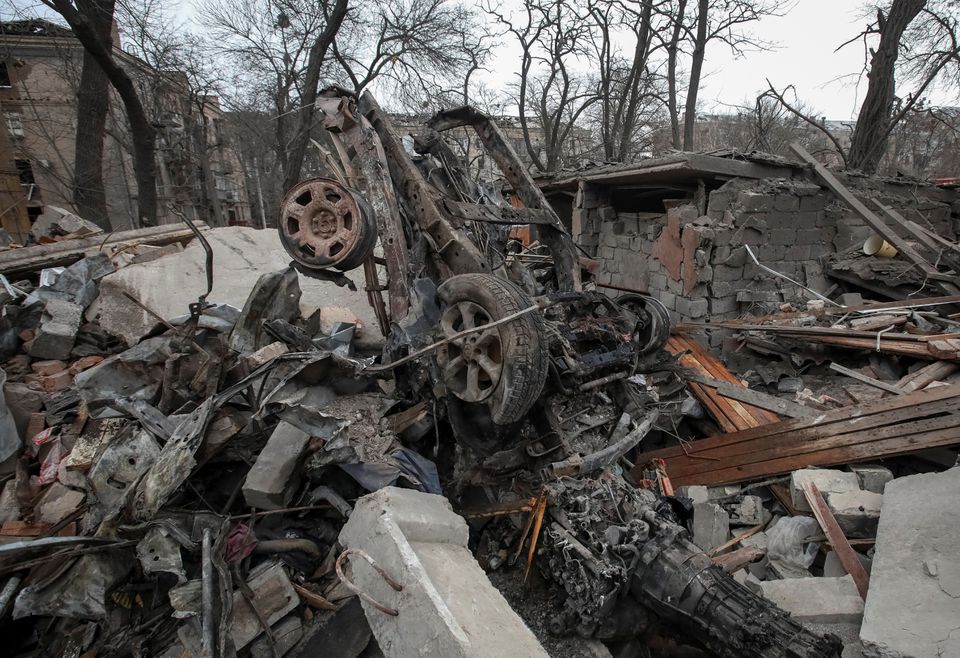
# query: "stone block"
786,202
57,330
724,305
828,481
22,401
697,493
692,308
447,606
914,600
48,367
813,203
818,600
711,526
873,477
857,512
727,273
755,201
275,475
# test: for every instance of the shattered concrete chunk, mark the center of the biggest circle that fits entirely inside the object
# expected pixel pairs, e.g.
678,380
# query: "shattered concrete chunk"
169,284
857,512
872,477
820,600
447,606
711,526
913,605
828,481
57,331
274,477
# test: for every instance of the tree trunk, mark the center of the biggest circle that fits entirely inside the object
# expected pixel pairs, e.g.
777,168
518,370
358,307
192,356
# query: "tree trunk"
318,52
93,101
672,51
869,139
696,68
142,131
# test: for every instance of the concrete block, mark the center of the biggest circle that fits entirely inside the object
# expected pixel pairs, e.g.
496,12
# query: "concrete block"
857,512
828,481
818,600
812,203
275,475
711,525
914,600
727,273
447,606
22,401
786,203
755,201
834,569
697,493
749,511
724,305
872,476
692,308
57,330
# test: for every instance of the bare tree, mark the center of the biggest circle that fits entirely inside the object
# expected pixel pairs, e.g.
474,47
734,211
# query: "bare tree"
723,21
93,103
919,41
414,50
84,26
627,87
551,93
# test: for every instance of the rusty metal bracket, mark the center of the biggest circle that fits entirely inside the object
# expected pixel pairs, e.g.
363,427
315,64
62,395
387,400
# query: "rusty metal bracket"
393,612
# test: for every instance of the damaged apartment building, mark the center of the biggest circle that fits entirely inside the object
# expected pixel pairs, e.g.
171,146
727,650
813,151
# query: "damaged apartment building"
198,169
702,232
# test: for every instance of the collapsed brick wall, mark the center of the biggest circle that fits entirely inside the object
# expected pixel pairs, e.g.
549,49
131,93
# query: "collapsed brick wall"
697,264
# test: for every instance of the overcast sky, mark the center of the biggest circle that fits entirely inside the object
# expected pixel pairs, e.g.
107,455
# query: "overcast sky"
807,37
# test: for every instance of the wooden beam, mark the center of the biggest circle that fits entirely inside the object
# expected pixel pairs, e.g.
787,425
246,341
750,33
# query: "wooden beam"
845,553
870,381
756,398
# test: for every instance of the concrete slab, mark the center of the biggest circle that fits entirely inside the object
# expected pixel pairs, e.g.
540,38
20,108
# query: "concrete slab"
827,480
913,606
872,477
275,475
711,525
240,256
820,600
447,606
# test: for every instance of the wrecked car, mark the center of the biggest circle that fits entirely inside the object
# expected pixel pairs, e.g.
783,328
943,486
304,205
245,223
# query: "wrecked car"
505,344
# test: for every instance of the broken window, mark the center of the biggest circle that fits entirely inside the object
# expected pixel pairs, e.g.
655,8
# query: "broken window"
14,124
5,82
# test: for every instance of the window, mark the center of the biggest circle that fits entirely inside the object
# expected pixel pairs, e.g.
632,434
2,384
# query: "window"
25,169
5,82
14,124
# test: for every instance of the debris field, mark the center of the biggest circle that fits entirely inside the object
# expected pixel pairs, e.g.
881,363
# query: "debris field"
623,411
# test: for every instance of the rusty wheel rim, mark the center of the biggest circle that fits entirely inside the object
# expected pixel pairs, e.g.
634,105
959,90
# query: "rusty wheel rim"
471,364
320,222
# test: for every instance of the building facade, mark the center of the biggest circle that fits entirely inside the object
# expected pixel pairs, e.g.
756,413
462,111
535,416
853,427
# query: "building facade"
198,169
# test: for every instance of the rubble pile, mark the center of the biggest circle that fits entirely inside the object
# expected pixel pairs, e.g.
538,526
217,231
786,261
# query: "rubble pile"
209,450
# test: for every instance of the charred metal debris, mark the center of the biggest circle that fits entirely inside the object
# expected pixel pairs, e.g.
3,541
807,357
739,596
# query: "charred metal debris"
246,480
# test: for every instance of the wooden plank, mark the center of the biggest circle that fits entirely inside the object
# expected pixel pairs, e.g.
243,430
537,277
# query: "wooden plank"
831,457
736,540
64,252
872,220
870,381
756,398
729,413
845,553
927,375
770,451
851,414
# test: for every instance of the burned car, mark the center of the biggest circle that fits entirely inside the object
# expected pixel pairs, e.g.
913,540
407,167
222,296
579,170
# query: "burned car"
506,345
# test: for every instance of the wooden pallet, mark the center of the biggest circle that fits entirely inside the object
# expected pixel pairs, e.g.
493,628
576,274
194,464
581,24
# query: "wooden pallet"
874,430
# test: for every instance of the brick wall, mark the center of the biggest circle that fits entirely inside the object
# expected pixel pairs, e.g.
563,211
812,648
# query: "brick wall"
698,265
